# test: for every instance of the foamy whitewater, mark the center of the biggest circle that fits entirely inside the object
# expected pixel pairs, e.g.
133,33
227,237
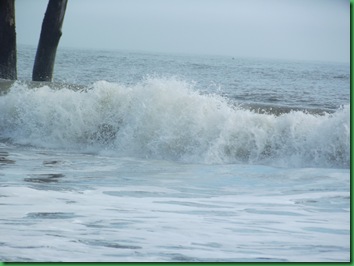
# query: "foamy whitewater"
153,157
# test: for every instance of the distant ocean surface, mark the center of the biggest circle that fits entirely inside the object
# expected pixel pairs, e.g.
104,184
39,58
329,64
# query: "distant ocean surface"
133,156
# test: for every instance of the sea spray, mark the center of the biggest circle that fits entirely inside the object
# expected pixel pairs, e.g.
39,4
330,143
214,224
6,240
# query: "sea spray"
167,118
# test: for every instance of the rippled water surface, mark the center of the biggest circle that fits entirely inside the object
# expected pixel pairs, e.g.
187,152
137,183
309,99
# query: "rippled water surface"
153,157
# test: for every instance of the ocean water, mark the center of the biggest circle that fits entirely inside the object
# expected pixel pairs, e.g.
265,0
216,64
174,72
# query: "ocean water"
133,156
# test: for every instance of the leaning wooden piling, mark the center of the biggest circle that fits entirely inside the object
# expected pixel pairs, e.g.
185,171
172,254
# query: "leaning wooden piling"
49,39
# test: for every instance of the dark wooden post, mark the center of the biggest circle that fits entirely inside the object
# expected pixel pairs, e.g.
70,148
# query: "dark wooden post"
8,53
49,40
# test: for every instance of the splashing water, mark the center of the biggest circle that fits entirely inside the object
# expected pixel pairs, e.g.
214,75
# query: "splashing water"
167,118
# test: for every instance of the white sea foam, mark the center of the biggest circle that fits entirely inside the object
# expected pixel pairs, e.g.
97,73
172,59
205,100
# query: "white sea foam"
124,209
169,119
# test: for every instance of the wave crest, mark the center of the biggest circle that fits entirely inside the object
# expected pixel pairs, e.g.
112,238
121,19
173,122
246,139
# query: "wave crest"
168,119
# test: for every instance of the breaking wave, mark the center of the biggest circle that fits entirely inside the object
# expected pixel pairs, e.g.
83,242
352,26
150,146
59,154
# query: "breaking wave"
169,119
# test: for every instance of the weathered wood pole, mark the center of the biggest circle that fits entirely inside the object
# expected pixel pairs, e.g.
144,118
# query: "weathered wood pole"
8,53
49,40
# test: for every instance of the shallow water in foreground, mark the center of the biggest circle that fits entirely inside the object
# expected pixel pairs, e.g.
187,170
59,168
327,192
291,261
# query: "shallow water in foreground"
84,207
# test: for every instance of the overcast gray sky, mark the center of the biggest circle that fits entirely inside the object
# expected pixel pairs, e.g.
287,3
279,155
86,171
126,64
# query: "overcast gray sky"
285,29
